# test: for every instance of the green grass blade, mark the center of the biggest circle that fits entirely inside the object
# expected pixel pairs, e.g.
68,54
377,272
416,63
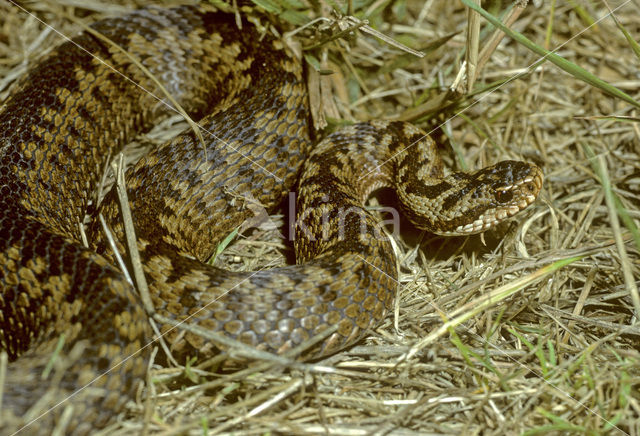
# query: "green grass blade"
632,42
223,244
476,306
608,189
571,68
586,18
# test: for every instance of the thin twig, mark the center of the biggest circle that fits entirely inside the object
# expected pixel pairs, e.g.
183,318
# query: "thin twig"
130,233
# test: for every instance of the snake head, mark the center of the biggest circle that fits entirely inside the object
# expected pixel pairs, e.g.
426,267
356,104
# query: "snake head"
468,203
493,194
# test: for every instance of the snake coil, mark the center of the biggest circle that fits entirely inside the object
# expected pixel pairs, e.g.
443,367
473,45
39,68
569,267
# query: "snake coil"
77,107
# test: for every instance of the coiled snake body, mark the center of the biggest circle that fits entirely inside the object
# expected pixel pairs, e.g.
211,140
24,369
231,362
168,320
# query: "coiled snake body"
72,111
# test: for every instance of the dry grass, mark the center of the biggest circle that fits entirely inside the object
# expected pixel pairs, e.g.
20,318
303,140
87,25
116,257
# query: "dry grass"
560,354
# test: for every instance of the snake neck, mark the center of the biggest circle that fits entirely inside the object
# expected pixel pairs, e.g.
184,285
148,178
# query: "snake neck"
368,156
341,173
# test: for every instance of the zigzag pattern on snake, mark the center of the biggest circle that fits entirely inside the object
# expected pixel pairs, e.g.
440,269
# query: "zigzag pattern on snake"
71,112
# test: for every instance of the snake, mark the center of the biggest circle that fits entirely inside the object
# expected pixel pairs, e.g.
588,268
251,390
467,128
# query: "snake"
73,326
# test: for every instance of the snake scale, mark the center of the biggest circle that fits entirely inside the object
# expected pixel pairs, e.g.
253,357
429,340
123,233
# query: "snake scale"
77,107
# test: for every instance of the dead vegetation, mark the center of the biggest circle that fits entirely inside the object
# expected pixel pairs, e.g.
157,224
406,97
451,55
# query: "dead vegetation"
556,347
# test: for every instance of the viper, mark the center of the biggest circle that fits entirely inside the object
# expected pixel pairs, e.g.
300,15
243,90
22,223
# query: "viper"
86,99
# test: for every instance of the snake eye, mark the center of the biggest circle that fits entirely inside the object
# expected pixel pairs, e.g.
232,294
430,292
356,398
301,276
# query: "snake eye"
504,196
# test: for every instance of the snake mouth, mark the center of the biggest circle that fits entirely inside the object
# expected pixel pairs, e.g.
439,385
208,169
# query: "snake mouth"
521,193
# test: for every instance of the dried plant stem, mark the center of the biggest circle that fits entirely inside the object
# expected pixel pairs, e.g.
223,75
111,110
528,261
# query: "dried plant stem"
473,42
625,262
492,43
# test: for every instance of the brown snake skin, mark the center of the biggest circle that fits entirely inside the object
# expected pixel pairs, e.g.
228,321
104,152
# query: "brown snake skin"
71,112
